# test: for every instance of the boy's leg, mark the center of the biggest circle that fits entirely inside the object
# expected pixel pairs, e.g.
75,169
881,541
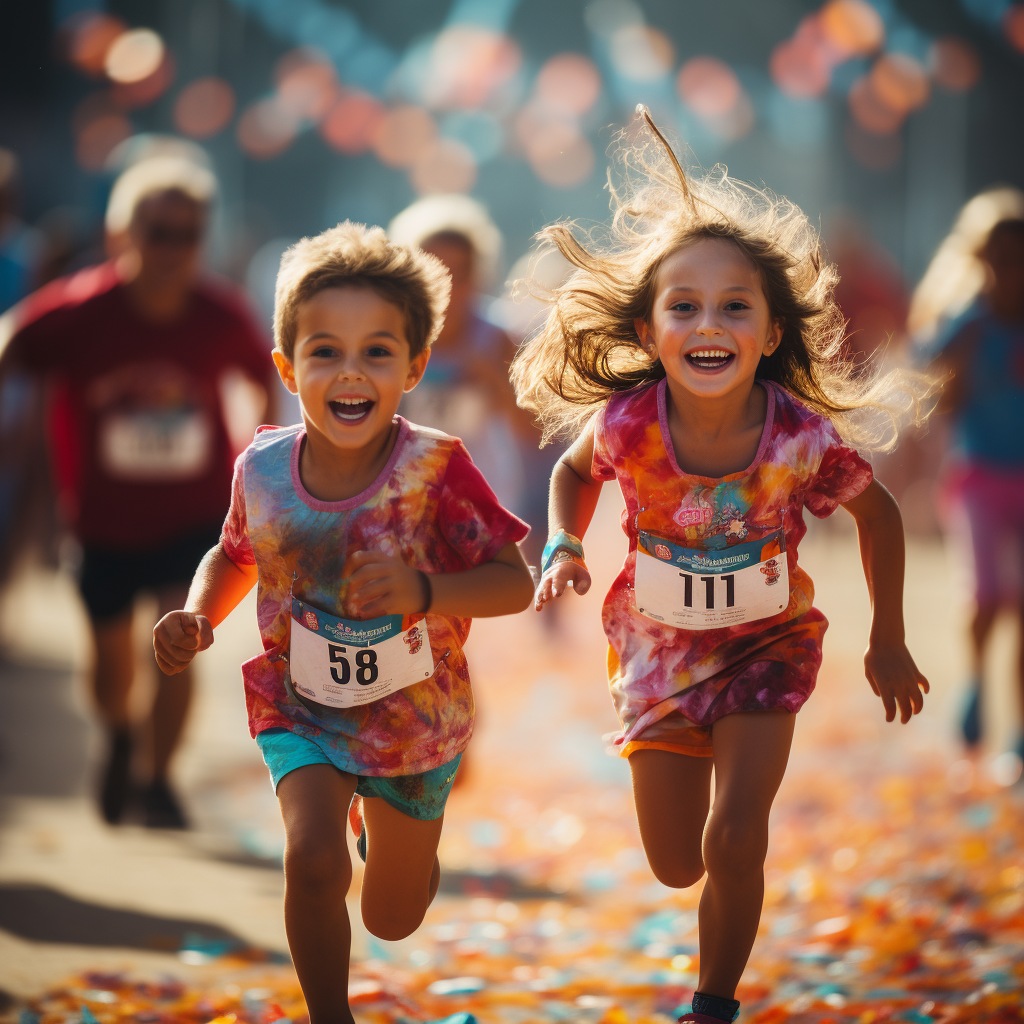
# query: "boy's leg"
751,753
317,871
402,871
672,793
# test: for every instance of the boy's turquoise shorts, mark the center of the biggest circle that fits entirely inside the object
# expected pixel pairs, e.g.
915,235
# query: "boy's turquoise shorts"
420,796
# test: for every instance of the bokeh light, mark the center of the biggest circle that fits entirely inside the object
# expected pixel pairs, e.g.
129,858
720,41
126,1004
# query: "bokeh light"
467,65
87,38
900,82
641,53
99,130
876,152
569,82
853,27
349,126
266,129
555,148
444,166
1013,26
800,66
306,83
403,134
870,111
204,107
148,89
478,130
133,56
954,64
708,86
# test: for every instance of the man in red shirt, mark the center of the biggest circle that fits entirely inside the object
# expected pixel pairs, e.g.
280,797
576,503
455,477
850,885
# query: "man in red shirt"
137,351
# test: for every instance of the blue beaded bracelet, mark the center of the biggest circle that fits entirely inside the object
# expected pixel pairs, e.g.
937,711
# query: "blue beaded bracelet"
559,541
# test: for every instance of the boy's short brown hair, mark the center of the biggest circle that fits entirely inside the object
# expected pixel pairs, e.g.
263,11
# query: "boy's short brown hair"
355,255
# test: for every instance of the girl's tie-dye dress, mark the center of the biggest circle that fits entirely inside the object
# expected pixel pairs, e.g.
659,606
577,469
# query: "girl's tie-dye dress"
670,684
429,506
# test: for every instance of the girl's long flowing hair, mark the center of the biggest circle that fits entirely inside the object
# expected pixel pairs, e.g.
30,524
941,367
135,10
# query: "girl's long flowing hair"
587,349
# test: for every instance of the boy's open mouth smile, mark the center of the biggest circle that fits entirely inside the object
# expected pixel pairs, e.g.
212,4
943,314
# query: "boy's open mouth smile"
351,411
709,360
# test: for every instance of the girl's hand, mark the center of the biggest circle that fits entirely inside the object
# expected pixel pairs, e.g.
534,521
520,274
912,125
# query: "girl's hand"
553,583
896,679
381,585
178,637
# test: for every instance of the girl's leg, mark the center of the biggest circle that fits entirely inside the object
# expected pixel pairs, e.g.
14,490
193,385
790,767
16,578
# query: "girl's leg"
317,873
672,793
751,752
402,872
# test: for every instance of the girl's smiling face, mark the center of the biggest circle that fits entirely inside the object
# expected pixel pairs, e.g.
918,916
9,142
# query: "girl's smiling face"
709,323
351,365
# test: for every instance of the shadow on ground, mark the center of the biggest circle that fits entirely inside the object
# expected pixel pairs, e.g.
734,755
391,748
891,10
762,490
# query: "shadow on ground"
42,914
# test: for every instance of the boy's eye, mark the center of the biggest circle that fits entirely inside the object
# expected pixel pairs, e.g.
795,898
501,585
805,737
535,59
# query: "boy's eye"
323,352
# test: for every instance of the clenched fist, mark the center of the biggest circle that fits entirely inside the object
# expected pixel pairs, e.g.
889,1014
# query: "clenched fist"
178,637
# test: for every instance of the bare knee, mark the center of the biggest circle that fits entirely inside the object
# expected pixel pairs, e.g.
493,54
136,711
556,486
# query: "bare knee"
318,863
734,848
677,869
391,921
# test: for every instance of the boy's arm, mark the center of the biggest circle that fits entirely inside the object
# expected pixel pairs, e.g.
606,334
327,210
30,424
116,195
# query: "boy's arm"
571,503
382,585
219,584
887,663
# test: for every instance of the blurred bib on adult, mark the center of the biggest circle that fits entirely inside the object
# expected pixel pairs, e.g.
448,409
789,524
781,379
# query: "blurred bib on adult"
702,588
343,663
147,445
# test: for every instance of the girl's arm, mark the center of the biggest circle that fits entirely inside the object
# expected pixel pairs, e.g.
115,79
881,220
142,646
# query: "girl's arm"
219,584
887,663
382,585
571,504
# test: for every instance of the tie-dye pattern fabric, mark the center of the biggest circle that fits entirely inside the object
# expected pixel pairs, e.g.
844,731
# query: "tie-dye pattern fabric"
669,685
431,507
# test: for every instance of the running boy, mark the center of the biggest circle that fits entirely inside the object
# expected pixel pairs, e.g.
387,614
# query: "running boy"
372,542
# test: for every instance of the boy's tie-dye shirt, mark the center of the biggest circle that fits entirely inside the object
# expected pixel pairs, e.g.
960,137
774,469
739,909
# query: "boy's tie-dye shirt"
429,506
698,676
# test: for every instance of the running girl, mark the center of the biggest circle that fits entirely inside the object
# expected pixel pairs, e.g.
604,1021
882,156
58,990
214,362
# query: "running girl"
700,348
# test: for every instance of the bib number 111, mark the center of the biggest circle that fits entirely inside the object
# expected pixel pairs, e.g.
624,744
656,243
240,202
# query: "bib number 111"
729,588
341,668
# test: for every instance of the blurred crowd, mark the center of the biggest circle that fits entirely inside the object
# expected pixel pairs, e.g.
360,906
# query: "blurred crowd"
130,378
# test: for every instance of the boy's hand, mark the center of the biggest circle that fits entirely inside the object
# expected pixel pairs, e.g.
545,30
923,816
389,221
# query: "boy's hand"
896,679
178,637
381,585
561,573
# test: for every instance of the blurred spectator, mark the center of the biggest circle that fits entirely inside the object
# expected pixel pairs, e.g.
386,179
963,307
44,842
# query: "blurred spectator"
135,351
970,309
466,390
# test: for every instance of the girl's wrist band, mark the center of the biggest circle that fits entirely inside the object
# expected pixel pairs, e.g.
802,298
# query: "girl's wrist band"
561,541
428,592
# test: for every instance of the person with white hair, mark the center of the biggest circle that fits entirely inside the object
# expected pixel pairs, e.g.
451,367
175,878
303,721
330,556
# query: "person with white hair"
137,351
968,313
465,390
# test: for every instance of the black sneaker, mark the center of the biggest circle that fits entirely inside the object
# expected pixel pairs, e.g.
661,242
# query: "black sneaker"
116,781
970,721
160,807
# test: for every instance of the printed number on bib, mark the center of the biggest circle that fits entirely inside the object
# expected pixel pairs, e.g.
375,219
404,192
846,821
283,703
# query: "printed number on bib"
156,445
343,663
702,589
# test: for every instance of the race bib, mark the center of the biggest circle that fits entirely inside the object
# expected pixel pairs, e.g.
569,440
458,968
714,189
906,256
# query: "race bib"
156,445
344,663
701,589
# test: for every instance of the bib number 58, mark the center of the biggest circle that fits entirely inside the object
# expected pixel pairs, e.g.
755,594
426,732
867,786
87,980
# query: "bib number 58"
366,665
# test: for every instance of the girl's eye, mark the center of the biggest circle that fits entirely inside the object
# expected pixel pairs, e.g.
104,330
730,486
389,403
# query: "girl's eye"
735,306
685,307
378,352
